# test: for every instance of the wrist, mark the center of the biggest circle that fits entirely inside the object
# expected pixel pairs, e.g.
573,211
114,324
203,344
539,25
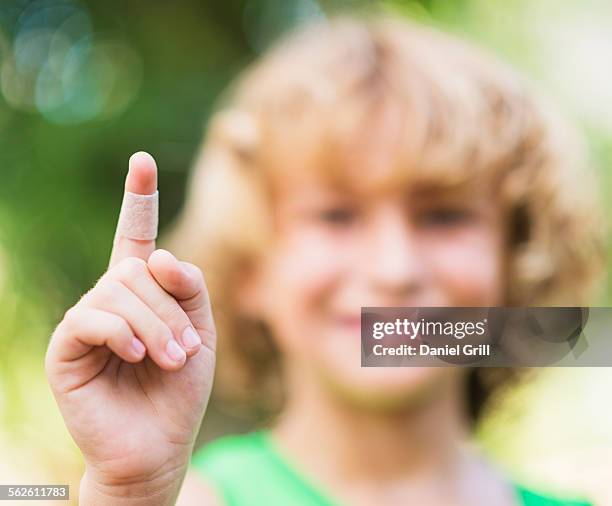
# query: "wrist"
162,490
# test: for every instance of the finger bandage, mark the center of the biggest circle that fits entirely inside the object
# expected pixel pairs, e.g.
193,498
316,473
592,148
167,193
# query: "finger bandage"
139,216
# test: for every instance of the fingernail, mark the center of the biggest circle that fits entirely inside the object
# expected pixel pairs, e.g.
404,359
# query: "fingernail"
174,351
190,338
137,347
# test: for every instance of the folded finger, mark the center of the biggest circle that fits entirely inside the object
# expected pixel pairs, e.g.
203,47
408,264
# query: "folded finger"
135,274
113,296
85,327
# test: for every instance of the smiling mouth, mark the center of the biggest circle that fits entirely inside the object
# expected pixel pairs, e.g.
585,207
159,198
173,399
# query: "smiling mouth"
410,314
352,322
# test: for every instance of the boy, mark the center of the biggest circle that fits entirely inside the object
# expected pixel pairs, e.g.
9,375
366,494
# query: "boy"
361,163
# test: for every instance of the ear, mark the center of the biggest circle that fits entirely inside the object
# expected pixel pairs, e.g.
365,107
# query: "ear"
249,289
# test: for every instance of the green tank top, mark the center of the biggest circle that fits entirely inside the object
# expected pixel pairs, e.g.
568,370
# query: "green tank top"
246,470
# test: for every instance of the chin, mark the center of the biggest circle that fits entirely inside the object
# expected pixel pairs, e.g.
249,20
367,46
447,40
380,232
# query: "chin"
337,359
388,388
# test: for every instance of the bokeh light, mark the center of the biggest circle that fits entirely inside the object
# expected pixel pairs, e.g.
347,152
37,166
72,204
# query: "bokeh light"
62,69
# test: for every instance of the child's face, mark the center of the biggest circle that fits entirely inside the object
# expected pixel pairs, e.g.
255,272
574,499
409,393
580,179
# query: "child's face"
338,250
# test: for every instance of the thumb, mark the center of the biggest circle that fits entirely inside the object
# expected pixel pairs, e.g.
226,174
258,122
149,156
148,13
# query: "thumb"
185,282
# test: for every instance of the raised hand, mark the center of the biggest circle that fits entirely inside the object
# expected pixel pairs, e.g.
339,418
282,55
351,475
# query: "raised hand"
131,364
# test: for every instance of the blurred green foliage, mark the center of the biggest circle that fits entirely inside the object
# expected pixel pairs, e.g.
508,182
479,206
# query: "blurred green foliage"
61,184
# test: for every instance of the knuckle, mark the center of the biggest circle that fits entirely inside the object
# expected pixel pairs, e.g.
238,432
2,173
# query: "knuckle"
87,296
196,271
120,328
68,323
105,292
131,268
201,282
155,332
162,334
174,315
70,314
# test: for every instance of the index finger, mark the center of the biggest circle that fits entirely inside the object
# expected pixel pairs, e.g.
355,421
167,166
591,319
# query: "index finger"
137,225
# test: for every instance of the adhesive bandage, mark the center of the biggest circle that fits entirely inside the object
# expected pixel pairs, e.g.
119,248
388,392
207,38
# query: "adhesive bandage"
139,216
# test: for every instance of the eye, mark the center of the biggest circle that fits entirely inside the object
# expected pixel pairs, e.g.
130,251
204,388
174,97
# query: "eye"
444,216
338,215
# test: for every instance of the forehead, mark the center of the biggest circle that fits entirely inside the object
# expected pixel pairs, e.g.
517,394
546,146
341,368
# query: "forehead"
376,148
311,185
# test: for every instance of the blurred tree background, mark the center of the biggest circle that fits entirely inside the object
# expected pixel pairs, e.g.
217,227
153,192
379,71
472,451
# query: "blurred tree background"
84,84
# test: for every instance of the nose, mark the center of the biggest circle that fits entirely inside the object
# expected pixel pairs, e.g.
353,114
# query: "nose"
395,264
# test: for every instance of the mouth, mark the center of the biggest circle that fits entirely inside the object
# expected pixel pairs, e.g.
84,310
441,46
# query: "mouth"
352,323
400,319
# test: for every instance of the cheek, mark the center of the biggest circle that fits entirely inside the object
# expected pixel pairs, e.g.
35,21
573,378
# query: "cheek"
469,268
301,274
309,265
